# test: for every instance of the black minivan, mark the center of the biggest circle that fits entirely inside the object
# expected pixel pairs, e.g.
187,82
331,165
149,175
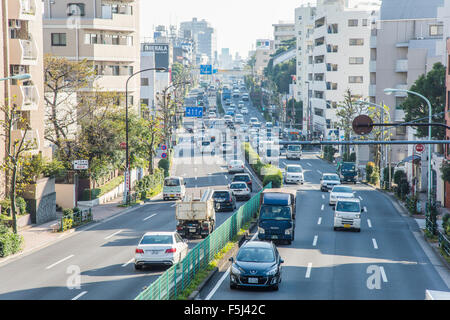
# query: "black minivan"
224,200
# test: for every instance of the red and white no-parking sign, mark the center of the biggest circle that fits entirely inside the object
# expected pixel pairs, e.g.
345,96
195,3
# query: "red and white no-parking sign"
420,148
163,147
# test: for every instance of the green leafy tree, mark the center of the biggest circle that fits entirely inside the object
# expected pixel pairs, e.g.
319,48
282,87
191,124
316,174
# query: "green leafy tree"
432,86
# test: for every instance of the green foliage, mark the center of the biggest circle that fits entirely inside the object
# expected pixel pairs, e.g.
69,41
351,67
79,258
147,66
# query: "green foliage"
446,223
276,179
432,86
98,192
375,177
349,157
67,223
164,164
403,189
386,173
10,242
370,169
6,205
21,205
329,152
445,170
67,212
94,194
411,204
399,175
281,74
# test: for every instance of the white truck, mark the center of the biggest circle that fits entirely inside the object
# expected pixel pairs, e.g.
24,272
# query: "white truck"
196,216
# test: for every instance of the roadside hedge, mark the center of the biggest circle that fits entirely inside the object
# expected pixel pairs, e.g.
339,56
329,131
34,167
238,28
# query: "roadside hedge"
10,242
265,172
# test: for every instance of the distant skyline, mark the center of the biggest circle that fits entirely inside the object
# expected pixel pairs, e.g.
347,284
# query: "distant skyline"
238,23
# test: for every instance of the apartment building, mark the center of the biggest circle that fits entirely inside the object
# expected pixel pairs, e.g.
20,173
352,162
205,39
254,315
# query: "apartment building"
22,53
405,45
204,35
264,48
105,32
446,201
282,31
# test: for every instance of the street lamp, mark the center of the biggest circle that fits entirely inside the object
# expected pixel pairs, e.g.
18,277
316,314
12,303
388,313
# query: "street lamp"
389,91
382,120
127,169
24,76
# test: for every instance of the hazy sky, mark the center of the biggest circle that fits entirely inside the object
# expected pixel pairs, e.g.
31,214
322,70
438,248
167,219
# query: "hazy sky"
238,23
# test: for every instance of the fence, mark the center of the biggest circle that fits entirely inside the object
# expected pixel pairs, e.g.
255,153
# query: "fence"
172,282
444,242
78,218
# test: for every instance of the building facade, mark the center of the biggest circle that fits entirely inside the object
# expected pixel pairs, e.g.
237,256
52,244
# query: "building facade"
282,31
447,120
201,32
264,48
106,33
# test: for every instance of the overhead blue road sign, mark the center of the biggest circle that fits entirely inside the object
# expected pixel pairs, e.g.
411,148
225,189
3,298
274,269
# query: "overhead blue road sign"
194,112
205,69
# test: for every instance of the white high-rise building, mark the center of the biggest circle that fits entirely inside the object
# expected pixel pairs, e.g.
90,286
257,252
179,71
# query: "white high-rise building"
333,56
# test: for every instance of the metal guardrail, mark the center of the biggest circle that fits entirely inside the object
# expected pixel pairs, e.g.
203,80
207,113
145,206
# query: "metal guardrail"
173,281
444,242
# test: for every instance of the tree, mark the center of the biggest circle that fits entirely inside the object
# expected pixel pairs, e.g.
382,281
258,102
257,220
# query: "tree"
378,133
347,111
432,86
298,110
63,81
16,146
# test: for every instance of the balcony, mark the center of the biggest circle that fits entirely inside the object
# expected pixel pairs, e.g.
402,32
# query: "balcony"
22,9
373,66
23,52
401,87
401,65
26,96
373,42
399,115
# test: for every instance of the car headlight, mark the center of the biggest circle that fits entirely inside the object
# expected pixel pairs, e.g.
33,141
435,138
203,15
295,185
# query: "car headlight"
357,216
261,230
337,215
332,196
288,231
235,270
272,271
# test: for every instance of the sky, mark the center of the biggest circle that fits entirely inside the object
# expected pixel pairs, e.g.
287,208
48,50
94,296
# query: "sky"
238,23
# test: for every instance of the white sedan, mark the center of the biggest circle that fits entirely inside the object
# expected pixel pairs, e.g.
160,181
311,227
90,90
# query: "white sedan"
236,166
340,192
240,190
160,248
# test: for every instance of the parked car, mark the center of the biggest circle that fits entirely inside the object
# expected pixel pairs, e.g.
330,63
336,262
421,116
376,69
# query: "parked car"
257,264
160,248
240,190
328,181
244,177
224,200
340,192
236,166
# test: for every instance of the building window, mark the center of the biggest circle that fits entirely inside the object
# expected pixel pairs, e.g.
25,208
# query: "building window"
75,9
129,40
90,38
299,17
436,30
355,79
356,60
332,48
332,67
115,40
364,22
356,42
328,123
353,22
318,112
331,86
144,102
59,39
400,130
115,71
144,82
398,102
333,28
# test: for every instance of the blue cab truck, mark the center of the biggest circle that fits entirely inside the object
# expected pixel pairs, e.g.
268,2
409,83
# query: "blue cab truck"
226,94
347,172
276,219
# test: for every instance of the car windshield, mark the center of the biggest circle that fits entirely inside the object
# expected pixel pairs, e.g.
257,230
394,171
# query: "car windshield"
235,163
255,255
294,148
348,206
157,239
221,195
206,143
241,178
238,186
172,182
348,167
342,189
332,178
294,169
275,212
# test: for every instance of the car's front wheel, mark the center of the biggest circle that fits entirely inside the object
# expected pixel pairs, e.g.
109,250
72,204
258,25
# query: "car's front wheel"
137,266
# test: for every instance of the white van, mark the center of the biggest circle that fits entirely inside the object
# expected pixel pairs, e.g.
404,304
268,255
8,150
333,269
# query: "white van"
294,152
347,214
174,188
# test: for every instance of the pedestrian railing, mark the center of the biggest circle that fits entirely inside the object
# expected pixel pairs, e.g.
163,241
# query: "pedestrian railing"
173,281
444,242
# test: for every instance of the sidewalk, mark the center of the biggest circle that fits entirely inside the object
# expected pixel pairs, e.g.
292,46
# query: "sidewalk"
37,236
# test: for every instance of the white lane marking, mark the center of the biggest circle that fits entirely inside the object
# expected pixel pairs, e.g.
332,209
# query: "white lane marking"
360,198
226,177
195,177
309,164
149,217
62,260
369,223
319,221
383,274
323,207
112,235
320,172
323,196
125,264
365,209
375,245
315,240
308,270
80,295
